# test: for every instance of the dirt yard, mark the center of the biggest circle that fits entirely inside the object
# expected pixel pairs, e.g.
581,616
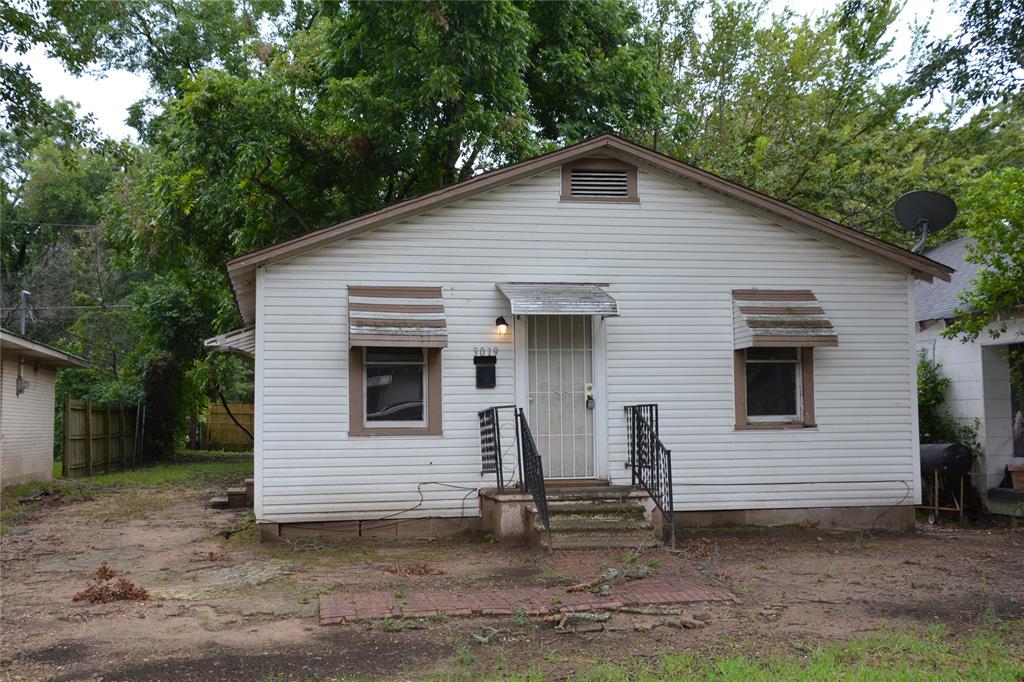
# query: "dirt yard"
231,608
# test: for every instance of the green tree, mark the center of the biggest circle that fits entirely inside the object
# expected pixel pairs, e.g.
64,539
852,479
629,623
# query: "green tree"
984,60
996,226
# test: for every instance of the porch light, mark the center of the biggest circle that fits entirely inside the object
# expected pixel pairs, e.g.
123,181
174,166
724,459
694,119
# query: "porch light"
502,324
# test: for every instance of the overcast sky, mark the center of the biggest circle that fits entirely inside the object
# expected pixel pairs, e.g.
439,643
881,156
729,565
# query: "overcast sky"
108,96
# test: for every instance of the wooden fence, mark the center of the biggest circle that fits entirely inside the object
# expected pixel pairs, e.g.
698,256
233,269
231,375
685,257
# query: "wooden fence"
221,433
99,439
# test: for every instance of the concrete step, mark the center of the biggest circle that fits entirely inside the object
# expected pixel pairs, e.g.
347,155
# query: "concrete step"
219,503
594,539
589,493
594,518
624,510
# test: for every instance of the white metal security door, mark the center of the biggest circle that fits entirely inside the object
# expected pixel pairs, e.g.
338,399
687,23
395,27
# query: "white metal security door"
561,378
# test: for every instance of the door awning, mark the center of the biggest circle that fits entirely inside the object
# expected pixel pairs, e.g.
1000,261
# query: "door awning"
240,341
776,318
397,316
536,298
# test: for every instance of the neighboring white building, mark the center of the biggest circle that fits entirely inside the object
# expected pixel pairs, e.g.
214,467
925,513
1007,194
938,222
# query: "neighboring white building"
778,345
28,371
979,376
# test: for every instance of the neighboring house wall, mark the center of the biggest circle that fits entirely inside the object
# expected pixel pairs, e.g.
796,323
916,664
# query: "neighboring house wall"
671,262
26,422
979,389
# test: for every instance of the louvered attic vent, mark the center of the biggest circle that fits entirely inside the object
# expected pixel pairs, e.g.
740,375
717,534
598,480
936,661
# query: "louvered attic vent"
599,183
599,180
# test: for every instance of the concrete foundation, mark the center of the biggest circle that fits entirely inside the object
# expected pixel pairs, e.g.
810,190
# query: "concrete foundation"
393,529
505,515
899,518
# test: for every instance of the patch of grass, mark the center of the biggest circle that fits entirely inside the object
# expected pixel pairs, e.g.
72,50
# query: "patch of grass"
192,468
50,493
244,533
464,656
886,656
175,473
397,624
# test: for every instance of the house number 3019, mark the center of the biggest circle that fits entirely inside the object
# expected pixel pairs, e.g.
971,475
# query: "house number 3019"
478,352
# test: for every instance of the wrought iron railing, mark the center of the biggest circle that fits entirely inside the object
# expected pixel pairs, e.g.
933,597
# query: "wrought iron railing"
533,471
650,461
527,466
493,447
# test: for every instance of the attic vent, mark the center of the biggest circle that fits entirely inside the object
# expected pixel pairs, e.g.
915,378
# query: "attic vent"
599,183
599,180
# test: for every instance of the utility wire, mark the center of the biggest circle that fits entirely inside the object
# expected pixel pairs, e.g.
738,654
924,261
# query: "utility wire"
35,222
69,307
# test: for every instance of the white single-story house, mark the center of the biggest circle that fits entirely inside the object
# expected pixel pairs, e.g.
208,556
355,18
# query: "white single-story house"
582,287
28,372
979,374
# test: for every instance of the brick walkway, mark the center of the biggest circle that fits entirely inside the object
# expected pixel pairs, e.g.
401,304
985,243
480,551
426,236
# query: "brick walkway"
534,601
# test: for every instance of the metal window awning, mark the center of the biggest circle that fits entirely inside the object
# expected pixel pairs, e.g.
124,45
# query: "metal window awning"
240,341
559,298
773,318
397,316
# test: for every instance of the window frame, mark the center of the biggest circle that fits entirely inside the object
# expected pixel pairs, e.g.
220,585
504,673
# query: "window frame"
804,394
600,164
432,415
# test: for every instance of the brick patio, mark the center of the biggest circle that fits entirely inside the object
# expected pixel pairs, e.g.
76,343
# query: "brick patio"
534,601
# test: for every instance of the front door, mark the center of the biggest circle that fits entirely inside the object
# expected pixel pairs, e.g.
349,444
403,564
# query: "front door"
560,358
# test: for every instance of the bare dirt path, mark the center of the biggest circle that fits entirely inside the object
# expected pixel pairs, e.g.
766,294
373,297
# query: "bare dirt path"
234,609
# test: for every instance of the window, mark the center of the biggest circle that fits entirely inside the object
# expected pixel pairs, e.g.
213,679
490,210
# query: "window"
395,379
599,180
394,391
774,388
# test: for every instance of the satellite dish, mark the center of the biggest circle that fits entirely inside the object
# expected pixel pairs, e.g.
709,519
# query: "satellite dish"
924,213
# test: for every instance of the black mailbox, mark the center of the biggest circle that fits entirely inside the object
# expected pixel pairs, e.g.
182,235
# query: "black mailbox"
486,370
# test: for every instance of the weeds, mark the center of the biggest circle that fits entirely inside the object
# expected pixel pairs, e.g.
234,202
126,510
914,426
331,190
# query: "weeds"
464,656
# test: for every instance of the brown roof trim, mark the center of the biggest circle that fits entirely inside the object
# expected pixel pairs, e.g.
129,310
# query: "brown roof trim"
239,268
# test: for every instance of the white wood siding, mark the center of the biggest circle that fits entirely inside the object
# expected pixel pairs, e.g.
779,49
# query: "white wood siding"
671,262
26,422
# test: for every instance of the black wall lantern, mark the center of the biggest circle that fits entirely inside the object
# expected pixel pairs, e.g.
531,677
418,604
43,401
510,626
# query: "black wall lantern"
502,325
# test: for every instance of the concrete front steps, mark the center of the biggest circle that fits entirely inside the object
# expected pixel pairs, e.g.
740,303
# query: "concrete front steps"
236,498
593,518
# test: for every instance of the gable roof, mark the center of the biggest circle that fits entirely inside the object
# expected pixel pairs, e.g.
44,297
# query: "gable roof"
242,270
45,355
939,300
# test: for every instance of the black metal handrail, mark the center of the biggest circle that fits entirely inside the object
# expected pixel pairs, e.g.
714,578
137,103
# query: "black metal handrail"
491,448
533,471
650,461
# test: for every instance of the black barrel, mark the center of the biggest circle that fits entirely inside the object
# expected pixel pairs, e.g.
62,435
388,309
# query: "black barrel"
951,459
